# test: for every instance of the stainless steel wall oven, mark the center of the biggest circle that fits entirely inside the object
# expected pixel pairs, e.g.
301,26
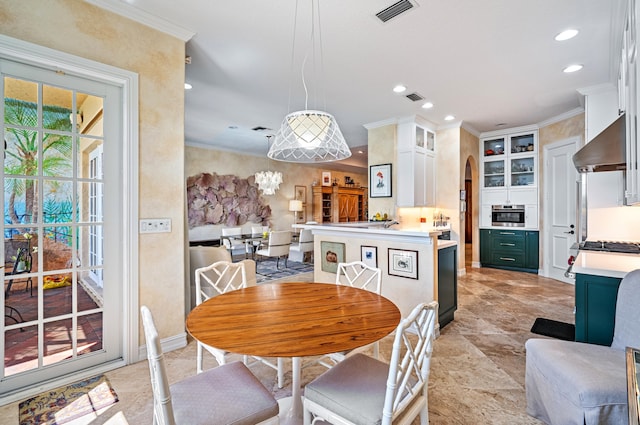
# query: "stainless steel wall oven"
507,215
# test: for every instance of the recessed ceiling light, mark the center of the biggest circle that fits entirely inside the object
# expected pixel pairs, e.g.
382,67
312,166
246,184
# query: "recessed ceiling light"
427,105
360,152
572,68
449,118
566,35
187,86
399,88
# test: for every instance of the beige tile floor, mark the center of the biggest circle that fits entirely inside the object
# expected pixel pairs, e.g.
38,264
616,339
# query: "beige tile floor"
477,371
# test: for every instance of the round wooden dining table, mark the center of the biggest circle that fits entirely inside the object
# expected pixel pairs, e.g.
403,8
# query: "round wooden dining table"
293,319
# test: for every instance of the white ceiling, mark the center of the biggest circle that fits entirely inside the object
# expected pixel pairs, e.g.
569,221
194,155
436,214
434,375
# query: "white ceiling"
486,62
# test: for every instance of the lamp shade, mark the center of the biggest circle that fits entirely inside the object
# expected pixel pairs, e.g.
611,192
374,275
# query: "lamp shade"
295,205
309,136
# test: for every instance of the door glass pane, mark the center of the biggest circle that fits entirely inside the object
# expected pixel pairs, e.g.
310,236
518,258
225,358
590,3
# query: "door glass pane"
57,155
57,248
58,341
20,201
21,152
57,108
57,295
20,102
494,173
89,333
20,347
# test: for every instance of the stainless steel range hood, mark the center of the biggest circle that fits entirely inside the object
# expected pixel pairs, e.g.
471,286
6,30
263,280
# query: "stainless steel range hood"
606,152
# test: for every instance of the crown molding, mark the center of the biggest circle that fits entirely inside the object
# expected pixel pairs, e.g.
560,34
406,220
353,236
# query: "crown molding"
123,9
569,114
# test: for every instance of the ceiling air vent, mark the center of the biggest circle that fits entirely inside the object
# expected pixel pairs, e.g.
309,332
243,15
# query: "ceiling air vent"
395,10
415,97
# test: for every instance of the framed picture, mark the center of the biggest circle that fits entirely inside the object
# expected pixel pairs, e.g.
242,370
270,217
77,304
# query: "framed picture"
326,178
380,181
332,253
369,255
403,263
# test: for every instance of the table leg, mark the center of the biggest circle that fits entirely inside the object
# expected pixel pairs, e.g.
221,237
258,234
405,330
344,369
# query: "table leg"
294,414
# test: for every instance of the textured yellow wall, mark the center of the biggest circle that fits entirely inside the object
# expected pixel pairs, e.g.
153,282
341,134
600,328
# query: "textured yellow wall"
469,152
382,143
199,160
78,28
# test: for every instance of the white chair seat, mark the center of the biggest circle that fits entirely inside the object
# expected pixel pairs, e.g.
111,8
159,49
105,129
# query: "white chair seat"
233,396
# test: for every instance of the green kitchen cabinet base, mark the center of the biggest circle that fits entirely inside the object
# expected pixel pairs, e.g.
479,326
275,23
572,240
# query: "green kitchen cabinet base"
508,249
447,284
596,298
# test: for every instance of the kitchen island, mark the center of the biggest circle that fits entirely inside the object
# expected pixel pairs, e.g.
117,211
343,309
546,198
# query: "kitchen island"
407,256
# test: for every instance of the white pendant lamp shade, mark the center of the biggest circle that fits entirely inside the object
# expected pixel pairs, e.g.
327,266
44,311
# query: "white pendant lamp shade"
268,181
309,136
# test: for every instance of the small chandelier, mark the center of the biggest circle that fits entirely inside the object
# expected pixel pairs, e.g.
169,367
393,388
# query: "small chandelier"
268,181
309,135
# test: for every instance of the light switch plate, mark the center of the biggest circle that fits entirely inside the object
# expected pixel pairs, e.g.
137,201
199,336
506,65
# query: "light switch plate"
155,225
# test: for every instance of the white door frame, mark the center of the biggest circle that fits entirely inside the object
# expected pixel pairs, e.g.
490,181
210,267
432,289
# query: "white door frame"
32,54
546,236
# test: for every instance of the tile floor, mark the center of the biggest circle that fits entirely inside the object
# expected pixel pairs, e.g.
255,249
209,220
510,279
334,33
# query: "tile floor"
477,372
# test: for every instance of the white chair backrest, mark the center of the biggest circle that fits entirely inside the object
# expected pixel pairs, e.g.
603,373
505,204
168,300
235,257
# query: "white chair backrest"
231,231
162,407
218,278
410,360
305,241
627,323
359,275
279,242
259,230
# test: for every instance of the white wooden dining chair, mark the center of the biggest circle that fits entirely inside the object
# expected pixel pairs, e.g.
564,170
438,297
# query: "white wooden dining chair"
216,279
358,275
363,390
305,244
279,242
228,394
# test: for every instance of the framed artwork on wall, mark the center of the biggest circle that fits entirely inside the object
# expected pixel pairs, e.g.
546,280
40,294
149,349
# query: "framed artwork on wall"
380,181
331,253
326,178
403,263
369,255
300,194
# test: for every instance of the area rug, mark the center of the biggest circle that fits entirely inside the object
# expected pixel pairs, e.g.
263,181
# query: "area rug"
64,404
554,329
266,269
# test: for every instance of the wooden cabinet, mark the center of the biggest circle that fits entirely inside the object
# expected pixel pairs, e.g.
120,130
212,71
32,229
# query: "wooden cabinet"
332,204
447,284
415,166
510,249
596,298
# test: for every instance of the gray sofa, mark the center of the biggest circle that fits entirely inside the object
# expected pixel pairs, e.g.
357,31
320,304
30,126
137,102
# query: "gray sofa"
577,383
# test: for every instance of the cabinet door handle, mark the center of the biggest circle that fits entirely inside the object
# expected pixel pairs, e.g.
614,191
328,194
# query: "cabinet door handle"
507,244
507,259
507,233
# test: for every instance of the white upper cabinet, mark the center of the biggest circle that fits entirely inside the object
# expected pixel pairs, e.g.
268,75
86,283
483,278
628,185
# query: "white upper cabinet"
416,166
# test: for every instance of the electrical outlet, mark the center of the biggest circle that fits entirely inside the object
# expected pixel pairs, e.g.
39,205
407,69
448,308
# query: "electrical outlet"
155,225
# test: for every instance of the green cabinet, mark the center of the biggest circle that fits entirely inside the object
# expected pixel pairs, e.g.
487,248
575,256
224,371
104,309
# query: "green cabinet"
447,284
596,298
510,249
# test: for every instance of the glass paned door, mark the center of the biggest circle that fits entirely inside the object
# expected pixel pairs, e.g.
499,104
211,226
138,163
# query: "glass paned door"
63,315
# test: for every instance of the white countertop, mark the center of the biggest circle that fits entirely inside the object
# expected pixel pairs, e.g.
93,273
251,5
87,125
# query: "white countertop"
373,228
443,243
609,264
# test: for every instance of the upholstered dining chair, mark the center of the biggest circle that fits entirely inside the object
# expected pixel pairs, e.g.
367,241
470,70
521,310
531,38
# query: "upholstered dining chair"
219,278
305,244
363,390
571,382
227,234
228,394
358,275
278,246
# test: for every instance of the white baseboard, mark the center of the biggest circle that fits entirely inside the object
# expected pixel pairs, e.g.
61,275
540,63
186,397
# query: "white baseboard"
168,344
475,264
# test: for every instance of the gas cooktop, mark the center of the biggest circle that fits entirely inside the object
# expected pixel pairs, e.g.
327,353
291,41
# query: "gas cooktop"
611,246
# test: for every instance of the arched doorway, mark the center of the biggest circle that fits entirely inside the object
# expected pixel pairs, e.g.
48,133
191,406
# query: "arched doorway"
469,235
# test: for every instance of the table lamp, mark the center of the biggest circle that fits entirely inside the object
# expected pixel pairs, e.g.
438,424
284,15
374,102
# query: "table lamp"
295,206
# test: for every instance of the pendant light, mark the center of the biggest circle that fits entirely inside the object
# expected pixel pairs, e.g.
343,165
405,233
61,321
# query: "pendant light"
268,181
309,135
